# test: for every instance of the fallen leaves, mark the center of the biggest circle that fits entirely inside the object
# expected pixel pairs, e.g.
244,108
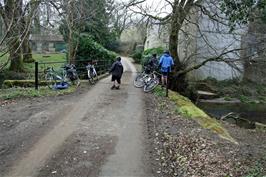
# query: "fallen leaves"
6,102
182,148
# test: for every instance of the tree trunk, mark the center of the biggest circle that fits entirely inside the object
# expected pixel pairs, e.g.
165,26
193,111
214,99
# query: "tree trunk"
176,83
14,40
71,37
15,56
27,53
71,47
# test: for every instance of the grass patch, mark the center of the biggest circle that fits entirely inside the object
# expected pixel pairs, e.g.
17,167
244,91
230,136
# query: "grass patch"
159,92
29,67
187,109
257,170
42,58
12,93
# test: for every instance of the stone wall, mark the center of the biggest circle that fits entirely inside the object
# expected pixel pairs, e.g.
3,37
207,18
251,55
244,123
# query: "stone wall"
254,53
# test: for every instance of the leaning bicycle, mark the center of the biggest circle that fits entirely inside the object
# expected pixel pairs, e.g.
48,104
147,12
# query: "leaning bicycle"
64,78
92,73
72,74
147,80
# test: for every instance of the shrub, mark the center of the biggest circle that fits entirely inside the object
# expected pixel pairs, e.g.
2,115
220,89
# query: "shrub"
158,51
12,76
137,55
147,54
89,50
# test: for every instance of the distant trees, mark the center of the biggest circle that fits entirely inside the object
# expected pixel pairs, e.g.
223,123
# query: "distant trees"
103,20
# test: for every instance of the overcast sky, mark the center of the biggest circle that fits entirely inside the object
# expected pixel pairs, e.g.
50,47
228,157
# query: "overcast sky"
154,7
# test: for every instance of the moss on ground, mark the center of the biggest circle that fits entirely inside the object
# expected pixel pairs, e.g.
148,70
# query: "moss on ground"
187,109
19,92
22,83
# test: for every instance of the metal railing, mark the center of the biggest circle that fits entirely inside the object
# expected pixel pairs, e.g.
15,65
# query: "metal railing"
101,66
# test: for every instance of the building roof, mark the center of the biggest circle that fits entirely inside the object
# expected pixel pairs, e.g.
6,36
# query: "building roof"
46,38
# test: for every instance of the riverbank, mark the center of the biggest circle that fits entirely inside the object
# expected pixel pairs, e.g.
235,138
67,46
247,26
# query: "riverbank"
233,91
181,147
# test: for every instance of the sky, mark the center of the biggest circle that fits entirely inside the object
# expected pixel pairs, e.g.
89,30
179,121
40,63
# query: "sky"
153,7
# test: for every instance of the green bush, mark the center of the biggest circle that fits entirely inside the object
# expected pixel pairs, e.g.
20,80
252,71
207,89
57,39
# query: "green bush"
147,54
11,75
91,50
137,55
158,51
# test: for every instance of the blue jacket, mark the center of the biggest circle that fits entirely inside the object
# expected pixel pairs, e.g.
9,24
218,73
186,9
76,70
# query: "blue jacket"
166,62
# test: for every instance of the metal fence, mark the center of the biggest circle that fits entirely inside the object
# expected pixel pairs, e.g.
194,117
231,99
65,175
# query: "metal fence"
101,66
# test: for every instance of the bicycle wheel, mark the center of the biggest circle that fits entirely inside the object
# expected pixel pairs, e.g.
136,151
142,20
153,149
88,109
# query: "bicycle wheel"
95,75
76,81
139,81
151,85
90,78
50,80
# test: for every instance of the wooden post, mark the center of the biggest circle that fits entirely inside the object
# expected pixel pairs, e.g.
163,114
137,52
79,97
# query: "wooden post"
167,84
36,75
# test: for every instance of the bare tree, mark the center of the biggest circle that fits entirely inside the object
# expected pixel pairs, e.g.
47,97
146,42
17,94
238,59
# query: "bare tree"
181,13
17,16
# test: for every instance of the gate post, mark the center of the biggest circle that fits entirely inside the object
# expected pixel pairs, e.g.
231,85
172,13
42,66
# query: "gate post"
36,75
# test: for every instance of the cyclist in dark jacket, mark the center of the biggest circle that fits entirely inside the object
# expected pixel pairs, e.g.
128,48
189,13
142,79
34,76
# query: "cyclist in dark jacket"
152,64
117,72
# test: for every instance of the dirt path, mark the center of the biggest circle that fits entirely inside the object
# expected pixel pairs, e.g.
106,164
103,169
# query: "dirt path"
99,133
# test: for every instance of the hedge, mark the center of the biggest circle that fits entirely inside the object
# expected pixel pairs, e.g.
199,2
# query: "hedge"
91,50
147,54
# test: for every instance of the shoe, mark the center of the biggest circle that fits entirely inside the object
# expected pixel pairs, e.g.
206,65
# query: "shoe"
117,88
113,87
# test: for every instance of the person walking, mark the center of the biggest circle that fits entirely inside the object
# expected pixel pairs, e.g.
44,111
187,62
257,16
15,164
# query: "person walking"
117,72
166,63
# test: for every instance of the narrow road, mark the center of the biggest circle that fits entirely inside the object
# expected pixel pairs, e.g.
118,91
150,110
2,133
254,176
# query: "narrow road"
100,134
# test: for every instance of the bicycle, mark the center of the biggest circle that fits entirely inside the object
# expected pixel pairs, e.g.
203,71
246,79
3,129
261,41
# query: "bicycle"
71,74
147,80
65,78
92,74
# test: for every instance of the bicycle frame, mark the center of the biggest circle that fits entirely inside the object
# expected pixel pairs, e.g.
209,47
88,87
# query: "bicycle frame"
89,69
55,74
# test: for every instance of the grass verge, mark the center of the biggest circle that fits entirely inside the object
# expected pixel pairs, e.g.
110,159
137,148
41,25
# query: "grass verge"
12,93
187,109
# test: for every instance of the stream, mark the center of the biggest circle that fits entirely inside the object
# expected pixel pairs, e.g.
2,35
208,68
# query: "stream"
251,112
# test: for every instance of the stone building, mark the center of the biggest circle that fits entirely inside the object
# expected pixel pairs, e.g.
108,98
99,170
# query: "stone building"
254,53
47,43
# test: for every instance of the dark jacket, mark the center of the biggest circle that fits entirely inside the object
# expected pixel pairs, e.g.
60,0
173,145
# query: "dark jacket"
153,62
117,69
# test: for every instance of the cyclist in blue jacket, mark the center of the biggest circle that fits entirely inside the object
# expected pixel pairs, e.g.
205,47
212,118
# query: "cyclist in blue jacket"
166,63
